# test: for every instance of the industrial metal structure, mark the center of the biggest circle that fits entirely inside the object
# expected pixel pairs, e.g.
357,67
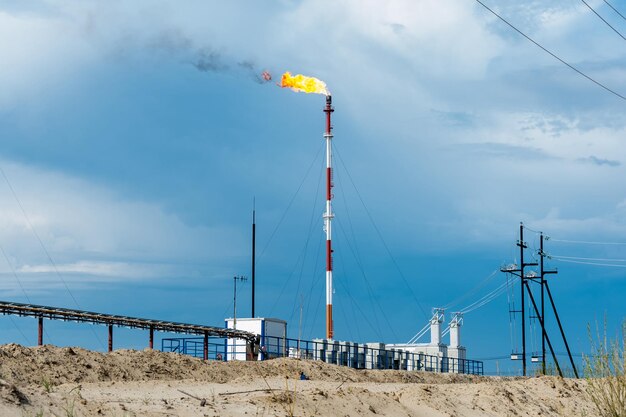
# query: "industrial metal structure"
266,338
110,320
454,352
435,356
525,279
328,216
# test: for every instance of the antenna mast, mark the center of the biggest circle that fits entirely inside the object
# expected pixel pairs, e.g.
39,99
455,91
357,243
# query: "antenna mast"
253,251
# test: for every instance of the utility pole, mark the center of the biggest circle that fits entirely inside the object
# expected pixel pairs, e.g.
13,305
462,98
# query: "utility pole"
235,279
234,341
556,314
522,246
522,276
543,316
525,286
543,273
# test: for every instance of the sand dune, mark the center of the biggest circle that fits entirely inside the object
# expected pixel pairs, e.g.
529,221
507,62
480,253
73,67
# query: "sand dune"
53,381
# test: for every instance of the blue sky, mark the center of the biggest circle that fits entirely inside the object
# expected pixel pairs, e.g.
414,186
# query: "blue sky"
136,136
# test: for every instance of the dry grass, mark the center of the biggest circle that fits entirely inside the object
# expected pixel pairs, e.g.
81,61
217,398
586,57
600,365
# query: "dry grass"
605,370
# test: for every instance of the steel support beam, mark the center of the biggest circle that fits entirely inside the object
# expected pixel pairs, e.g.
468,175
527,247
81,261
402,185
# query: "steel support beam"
40,332
79,316
110,338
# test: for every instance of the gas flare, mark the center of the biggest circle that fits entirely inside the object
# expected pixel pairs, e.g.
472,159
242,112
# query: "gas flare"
301,83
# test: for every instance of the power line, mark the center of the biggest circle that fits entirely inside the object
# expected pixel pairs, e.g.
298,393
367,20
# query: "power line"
45,250
539,312
584,242
482,301
551,53
601,18
472,291
494,358
615,10
487,298
32,228
20,330
590,263
580,258
19,282
419,334
532,230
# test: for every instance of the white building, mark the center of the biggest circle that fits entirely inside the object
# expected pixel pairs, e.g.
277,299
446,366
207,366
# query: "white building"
273,334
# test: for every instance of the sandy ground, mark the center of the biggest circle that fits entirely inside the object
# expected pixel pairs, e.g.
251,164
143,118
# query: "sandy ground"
51,381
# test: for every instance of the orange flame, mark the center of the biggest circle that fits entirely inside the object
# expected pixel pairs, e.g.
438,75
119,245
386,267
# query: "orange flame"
301,83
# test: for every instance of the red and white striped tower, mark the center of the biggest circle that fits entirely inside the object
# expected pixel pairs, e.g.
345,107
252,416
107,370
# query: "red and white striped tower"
328,216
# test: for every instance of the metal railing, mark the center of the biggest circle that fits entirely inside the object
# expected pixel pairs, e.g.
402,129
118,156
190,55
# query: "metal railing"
357,356
194,346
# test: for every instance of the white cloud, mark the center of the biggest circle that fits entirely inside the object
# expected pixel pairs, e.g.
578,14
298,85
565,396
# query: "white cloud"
103,269
38,52
402,59
435,38
90,231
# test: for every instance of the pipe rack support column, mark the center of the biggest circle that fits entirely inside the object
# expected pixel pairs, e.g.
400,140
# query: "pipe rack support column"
151,337
40,332
206,346
110,338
